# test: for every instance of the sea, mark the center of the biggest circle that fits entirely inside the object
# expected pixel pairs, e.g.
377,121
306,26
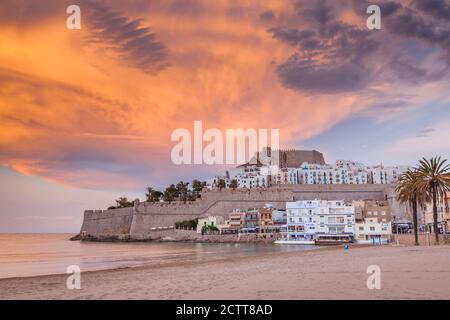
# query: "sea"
34,254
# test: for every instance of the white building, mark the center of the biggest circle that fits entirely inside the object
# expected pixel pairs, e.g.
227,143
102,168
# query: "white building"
336,222
342,172
210,221
373,231
316,221
443,216
301,222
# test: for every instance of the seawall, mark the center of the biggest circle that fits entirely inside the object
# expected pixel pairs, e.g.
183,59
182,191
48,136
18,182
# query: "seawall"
137,222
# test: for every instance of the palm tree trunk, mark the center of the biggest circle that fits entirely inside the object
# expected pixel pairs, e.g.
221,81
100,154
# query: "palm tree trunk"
435,214
416,235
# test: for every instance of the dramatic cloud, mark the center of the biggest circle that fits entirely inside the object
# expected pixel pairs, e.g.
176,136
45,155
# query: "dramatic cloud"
136,44
332,55
437,8
301,74
95,108
267,15
304,39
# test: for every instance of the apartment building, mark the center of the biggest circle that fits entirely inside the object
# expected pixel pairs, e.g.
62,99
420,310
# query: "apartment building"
335,223
341,172
318,221
371,230
443,216
373,222
301,223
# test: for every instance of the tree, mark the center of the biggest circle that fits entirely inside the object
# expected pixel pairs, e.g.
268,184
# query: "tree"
197,187
153,195
123,202
408,192
221,184
186,224
182,190
233,184
435,182
170,193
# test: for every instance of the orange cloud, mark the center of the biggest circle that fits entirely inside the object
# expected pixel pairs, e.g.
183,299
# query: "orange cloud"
80,112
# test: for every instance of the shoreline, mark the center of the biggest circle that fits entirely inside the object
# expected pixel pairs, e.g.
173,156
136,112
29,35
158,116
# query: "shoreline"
178,263
407,272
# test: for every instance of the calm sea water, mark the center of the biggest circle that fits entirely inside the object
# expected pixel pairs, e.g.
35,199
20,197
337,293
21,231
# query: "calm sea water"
23,255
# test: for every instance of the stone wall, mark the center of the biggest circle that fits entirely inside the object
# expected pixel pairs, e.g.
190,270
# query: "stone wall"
107,223
139,220
193,236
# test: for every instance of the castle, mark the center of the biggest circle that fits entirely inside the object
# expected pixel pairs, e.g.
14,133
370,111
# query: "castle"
137,222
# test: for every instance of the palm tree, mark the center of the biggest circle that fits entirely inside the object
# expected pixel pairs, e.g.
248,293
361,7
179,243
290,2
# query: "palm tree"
153,195
408,192
233,184
435,182
170,193
123,202
221,184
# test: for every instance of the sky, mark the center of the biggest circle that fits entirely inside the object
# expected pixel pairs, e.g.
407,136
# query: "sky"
86,115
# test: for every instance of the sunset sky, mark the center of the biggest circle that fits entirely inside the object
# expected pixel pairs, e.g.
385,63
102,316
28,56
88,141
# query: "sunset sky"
86,115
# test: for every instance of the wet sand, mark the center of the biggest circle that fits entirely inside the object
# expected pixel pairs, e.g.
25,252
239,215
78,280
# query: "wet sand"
407,272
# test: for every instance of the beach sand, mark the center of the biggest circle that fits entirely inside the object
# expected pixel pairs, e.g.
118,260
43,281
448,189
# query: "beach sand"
407,272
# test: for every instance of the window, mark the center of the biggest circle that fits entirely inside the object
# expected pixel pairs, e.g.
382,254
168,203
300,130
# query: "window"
383,213
372,228
375,213
361,228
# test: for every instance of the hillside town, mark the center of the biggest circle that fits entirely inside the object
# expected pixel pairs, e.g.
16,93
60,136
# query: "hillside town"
288,197
280,167
317,221
321,222
308,222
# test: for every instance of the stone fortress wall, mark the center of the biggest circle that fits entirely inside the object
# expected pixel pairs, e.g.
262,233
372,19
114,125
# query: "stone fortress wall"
137,222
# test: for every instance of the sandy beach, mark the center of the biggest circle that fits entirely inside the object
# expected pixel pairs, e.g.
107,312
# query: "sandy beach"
407,272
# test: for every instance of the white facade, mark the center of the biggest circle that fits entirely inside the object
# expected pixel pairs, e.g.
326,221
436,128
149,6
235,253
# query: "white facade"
443,216
371,231
315,220
342,172
213,221
335,219
252,181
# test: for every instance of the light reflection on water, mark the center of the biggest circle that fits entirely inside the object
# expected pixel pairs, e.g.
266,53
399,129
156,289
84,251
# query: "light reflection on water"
39,254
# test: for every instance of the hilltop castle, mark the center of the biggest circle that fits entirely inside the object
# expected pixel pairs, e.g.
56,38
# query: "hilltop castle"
137,222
